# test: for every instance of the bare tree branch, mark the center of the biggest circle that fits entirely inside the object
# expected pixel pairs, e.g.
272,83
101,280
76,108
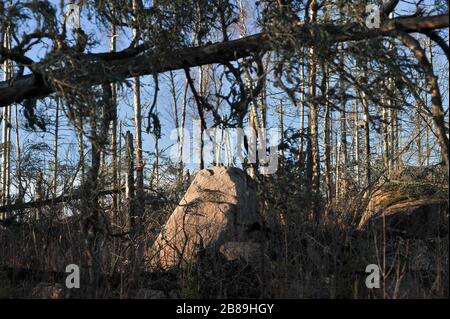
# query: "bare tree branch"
389,6
6,54
436,38
437,110
35,86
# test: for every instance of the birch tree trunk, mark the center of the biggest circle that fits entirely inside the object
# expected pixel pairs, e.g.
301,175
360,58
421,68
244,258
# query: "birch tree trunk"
129,181
55,151
253,126
140,201
173,91
113,130
327,137
183,125
366,118
418,135
155,173
281,123
428,147
385,132
81,147
343,159
18,155
314,123
302,122
6,130
357,155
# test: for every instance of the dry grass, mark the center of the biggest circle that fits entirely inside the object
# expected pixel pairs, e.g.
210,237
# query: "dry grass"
305,258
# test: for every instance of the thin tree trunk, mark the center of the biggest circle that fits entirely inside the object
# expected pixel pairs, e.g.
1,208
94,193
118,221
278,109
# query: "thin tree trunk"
183,125
202,115
93,223
385,135
302,121
6,141
343,130
133,220
428,147
81,147
390,131
173,91
419,135
357,146
121,217
155,174
253,138
140,201
281,123
178,126
55,151
357,155
18,155
366,118
327,137
427,137
338,167
113,129
263,111
8,158
39,193
314,124
90,200
129,181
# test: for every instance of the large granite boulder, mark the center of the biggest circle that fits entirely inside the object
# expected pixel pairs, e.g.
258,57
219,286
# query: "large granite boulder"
219,207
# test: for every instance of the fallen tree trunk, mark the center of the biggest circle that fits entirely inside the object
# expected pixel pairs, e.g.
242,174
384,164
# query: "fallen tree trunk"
120,65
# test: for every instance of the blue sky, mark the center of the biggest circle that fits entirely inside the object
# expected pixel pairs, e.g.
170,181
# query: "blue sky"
68,142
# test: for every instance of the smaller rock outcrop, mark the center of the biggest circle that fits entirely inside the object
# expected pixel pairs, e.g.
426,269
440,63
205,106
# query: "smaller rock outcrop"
406,213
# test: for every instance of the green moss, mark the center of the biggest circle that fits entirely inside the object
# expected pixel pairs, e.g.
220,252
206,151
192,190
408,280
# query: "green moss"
394,197
398,191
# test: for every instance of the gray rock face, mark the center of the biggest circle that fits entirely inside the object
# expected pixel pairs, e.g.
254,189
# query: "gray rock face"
219,207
